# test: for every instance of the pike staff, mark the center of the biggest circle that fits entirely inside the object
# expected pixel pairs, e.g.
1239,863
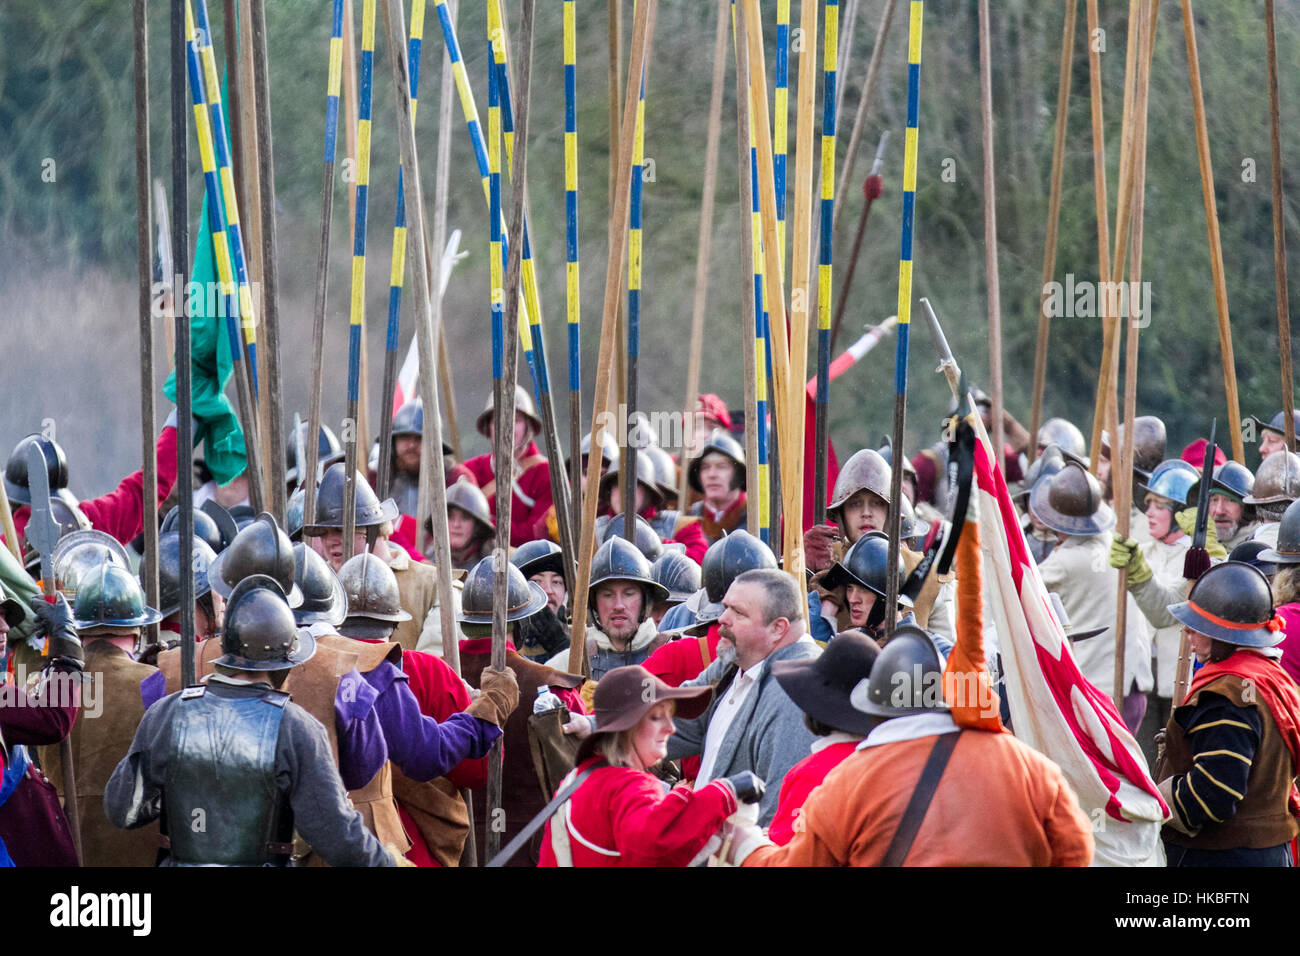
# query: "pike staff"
210,128
830,101
992,282
915,22
356,325
781,114
751,287
1102,205
641,30
144,263
628,453
1279,229
572,286
307,472
864,102
180,240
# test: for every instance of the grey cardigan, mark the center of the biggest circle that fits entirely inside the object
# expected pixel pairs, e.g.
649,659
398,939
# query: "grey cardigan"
767,736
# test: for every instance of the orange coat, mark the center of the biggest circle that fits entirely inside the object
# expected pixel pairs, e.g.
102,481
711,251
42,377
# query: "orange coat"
999,803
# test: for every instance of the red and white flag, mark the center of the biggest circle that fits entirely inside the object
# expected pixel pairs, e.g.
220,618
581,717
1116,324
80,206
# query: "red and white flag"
1053,708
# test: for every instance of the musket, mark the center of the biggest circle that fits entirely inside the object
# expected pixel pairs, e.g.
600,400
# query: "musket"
43,534
1197,561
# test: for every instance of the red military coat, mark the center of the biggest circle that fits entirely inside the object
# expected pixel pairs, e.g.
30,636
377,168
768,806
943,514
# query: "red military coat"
534,485
624,817
801,780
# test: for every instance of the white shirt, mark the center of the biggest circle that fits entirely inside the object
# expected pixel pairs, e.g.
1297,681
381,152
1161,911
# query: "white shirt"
723,715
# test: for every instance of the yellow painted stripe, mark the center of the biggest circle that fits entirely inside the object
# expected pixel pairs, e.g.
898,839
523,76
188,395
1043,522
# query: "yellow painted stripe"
782,106
1218,783
417,20
336,66
363,152
634,259
532,308
246,312
831,52
910,140
398,274
368,25
904,291
358,288
204,133
638,148
570,161
222,254
228,196
415,105
466,94
828,167
823,296
1220,723
914,32
570,35
571,282
525,335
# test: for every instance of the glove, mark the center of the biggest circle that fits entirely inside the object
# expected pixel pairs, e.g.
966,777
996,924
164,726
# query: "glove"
817,544
581,725
1187,521
747,786
1124,553
54,620
499,699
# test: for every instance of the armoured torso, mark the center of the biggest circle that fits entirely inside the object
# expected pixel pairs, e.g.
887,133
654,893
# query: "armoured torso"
664,523
405,490
223,807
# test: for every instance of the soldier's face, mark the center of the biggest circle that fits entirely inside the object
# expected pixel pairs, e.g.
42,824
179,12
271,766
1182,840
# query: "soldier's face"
1199,644
616,499
865,511
330,546
1270,442
408,452
1159,517
717,472
460,528
618,609
1226,515
860,602
553,585
1103,468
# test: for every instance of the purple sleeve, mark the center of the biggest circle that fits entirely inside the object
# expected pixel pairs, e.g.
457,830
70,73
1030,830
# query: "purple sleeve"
420,746
153,689
362,748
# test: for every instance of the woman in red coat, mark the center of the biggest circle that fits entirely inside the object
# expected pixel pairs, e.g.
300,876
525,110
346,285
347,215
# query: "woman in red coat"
621,814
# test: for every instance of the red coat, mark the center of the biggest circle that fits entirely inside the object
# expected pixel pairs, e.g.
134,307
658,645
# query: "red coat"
677,662
688,532
800,781
120,513
535,482
628,815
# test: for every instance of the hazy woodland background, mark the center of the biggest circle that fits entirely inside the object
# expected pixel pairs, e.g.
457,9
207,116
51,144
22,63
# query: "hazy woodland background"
67,248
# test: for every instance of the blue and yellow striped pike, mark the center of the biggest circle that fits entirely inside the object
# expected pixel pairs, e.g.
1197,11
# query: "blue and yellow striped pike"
496,244
830,50
781,115
572,287
357,311
917,9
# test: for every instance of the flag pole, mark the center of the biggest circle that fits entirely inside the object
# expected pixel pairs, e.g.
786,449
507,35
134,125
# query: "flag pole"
1279,230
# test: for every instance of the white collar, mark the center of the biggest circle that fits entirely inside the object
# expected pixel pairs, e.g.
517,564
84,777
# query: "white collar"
911,727
833,738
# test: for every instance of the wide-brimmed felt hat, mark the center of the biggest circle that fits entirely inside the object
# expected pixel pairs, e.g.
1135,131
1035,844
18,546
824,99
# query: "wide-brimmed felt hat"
821,686
626,694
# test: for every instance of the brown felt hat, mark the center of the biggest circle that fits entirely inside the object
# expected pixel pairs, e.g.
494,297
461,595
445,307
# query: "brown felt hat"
626,694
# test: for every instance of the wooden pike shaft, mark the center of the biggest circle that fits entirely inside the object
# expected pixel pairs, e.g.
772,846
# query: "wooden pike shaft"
749,306
801,291
425,331
144,263
1053,212
705,241
1279,230
1099,188
273,423
864,103
643,24
993,284
1124,487
1212,229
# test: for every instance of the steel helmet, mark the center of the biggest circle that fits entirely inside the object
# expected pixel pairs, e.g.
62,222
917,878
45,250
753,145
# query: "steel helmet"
328,450
370,510
16,468
722,443
1071,502
1231,479
1252,552
469,498
1287,549
865,470
523,406
261,548
260,633
293,513
1063,434
645,477
608,447
205,528
81,553
647,540
1044,466
169,570
112,597
534,557
374,603
866,564
1232,602
524,598
665,470
678,574
323,598
1278,422
1172,479
1276,481
906,677
409,420
618,560
728,558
